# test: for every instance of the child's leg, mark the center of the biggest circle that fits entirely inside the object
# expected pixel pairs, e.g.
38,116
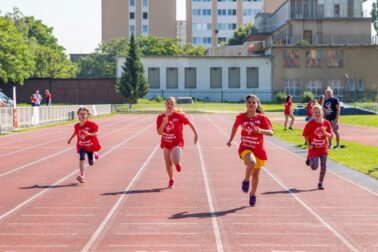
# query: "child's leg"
323,167
255,180
286,118
292,121
90,158
168,162
81,164
314,163
250,162
176,155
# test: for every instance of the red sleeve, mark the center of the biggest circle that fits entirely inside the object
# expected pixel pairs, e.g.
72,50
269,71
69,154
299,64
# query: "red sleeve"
267,125
307,129
159,121
183,118
237,121
76,128
94,127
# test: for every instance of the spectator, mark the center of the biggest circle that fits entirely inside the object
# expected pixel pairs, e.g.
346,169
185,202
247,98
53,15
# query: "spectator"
33,99
38,98
48,97
332,112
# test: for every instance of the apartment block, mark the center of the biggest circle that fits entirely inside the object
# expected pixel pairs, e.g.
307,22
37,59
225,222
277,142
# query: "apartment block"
120,18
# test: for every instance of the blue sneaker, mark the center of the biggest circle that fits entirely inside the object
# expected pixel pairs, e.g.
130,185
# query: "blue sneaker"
245,186
252,200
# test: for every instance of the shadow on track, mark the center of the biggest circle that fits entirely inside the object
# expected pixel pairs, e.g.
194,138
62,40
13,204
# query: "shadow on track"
293,190
49,186
155,190
183,215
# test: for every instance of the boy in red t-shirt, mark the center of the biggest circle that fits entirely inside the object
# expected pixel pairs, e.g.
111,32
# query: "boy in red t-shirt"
251,150
317,133
170,126
87,141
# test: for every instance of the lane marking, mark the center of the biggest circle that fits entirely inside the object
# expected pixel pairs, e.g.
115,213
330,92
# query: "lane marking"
161,233
286,245
46,224
307,207
39,234
160,245
34,246
160,223
57,215
69,175
119,201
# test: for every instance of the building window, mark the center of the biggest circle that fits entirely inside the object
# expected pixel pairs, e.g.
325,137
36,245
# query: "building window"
215,77
234,77
351,85
360,85
291,58
154,77
132,15
313,57
132,29
293,87
335,58
145,15
172,77
252,77
132,3
337,87
315,87
190,77
145,29
145,3
336,10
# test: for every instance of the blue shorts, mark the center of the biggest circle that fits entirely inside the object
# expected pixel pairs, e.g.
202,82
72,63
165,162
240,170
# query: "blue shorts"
89,154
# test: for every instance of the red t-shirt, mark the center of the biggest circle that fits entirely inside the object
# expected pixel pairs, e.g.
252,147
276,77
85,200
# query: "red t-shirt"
172,134
89,143
249,139
288,107
316,137
309,108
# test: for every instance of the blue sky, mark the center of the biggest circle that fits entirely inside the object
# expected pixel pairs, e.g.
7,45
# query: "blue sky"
76,23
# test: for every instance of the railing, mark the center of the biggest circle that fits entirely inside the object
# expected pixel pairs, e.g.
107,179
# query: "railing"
42,115
326,39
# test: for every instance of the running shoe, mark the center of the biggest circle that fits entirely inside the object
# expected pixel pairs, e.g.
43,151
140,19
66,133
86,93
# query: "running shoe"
171,183
178,167
91,161
320,186
308,162
245,186
96,155
80,179
252,200
290,128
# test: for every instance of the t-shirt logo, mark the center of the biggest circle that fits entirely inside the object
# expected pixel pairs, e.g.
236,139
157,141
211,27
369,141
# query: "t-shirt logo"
248,127
170,126
318,132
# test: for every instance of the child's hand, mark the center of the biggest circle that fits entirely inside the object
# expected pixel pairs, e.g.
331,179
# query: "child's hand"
323,129
86,133
257,130
310,146
229,143
165,119
69,141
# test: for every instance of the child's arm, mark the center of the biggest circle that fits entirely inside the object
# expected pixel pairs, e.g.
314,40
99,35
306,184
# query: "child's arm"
309,146
194,131
233,133
162,125
264,131
69,140
327,134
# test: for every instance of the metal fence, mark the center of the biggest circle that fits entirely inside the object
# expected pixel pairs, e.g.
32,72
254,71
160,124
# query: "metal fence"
34,116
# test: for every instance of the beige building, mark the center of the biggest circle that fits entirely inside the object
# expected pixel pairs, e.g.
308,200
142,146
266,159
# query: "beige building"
142,17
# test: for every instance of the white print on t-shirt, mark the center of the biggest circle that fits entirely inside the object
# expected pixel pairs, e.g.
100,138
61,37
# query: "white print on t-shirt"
328,109
249,127
170,126
319,141
250,141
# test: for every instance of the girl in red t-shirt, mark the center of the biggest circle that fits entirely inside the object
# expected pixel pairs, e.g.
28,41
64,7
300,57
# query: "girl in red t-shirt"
251,150
87,141
317,133
170,126
289,112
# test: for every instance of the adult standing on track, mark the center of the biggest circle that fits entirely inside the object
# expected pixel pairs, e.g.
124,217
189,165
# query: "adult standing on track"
289,112
251,150
332,112
170,126
87,141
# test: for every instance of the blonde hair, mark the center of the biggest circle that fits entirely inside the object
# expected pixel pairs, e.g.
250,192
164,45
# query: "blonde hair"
317,105
84,109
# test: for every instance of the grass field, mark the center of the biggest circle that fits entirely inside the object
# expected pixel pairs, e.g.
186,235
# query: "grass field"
362,158
362,120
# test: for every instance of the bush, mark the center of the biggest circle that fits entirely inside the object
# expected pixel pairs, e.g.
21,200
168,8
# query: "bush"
159,99
307,96
281,97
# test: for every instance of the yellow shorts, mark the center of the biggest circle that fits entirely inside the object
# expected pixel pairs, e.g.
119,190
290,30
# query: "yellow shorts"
259,163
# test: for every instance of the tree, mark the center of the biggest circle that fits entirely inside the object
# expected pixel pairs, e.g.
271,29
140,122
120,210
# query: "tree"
16,62
240,35
133,84
374,15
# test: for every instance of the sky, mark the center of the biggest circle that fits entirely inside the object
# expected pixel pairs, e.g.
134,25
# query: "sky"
76,23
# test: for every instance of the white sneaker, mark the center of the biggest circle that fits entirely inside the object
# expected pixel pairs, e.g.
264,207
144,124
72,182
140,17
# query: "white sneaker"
80,179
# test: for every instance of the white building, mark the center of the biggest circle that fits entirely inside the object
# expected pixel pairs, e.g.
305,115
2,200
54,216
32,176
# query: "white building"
207,78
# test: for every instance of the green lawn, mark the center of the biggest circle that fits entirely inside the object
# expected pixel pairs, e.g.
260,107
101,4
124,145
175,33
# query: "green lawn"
363,120
359,157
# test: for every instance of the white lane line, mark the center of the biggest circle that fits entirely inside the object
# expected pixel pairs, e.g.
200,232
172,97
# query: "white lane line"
163,207
60,152
307,207
46,224
118,203
57,215
160,233
285,245
34,246
160,245
267,215
69,175
360,224
278,223
355,215
216,230
39,234
66,207
160,223
283,233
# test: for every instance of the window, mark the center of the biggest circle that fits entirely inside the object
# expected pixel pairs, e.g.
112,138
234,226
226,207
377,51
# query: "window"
172,77
132,29
252,77
313,57
132,2
145,3
145,29
291,58
190,77
145,15
234,77
316,87
132,15
335,58
154,77
351,85
215,77
336,10
337,86
360,85
293,87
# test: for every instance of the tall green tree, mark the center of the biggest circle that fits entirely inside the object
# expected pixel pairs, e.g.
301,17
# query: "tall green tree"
240,35
16,62
50,58
133,84
374,15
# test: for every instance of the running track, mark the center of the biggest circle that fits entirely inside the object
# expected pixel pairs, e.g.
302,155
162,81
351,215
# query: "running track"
125,205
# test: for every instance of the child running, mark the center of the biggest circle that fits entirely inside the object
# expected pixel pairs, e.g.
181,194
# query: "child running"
170,126
318,133
87,141
289,112
251,150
